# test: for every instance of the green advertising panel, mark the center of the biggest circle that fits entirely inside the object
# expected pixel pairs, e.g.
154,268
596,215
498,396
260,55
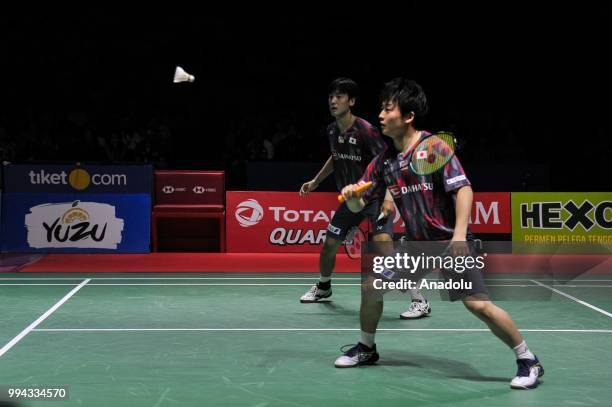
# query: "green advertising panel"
568,221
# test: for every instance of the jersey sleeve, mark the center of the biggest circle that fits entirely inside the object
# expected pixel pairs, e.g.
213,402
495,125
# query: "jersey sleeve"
454,176
373,173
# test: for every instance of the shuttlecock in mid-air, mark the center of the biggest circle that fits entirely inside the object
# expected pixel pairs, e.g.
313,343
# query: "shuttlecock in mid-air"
181,76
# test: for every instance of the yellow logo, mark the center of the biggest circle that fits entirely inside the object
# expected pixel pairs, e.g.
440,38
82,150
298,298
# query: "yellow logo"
79,179
73,215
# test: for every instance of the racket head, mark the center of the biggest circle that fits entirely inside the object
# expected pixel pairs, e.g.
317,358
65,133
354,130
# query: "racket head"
433,153
355,238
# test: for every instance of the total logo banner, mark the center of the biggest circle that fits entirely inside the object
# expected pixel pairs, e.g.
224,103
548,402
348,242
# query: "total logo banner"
278,221
74,225
266,221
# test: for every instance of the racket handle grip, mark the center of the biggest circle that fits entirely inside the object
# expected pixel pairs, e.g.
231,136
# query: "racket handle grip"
359,189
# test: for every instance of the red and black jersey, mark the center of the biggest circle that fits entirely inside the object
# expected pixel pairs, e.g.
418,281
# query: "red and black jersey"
353,150
426,202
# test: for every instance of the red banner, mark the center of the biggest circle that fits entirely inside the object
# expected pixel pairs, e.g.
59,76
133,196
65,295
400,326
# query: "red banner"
189,187
278,221
273,222
491,213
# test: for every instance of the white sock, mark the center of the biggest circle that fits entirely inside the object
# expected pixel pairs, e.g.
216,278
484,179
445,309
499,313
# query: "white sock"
416,295
522,351
367,339
324,279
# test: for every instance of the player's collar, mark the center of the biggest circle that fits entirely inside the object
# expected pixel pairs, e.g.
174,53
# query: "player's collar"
352,128
405,153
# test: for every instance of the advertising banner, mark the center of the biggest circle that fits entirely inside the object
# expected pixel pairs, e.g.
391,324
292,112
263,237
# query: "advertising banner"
277,221
269,222
541,220
490,214
93,179
190,188
61,208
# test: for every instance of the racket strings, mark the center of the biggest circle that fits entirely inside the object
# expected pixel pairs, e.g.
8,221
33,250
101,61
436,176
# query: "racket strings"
433,153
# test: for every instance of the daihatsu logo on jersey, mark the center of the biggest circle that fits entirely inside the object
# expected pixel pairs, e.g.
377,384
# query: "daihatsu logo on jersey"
397,190
249,213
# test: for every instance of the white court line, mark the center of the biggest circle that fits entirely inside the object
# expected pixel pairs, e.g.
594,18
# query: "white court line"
262,284
579,301
269,284
35,284
40,319
227,285
244,285
304,330
176,278
249,278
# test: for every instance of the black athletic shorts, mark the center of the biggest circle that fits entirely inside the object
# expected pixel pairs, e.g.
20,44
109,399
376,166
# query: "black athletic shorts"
344,219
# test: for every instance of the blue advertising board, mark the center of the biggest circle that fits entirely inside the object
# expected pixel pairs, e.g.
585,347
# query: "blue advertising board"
64,208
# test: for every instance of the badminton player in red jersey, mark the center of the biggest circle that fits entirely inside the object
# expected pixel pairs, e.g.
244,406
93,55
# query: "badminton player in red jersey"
433,207
353,143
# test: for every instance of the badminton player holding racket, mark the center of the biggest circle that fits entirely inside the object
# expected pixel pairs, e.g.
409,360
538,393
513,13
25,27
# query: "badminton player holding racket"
434,197
353,143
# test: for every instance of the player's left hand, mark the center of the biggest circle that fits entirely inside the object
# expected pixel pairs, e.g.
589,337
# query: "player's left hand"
386,209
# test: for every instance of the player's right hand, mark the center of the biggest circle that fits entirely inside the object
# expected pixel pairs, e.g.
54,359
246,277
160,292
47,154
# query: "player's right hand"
350,192
308,187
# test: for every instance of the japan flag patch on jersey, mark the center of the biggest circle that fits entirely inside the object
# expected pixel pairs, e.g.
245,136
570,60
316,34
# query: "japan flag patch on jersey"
421,155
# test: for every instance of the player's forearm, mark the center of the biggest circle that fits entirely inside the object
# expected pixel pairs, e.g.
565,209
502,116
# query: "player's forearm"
327,169
463,207
388,196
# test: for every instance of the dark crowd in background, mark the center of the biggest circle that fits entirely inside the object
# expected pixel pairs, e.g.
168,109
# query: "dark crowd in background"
98,89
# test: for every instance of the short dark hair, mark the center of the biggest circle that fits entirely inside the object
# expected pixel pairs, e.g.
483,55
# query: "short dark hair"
408,95
344,85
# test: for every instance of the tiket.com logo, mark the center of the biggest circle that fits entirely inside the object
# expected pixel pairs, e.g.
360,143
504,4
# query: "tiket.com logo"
78,178
168,189
249,213
547,215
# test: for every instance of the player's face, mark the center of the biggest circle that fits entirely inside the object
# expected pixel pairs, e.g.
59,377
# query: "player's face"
339,104
390,118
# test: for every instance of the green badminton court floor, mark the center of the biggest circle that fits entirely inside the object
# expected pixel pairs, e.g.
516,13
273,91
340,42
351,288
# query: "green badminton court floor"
245,340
